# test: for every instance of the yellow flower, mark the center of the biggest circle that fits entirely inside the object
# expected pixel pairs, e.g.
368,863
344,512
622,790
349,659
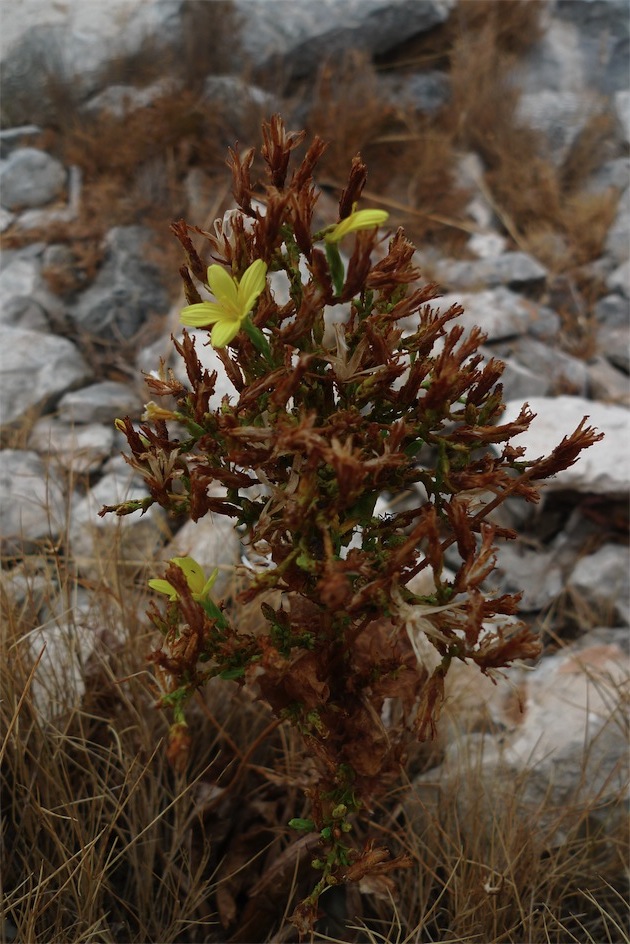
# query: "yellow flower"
195,578
234,301
358,219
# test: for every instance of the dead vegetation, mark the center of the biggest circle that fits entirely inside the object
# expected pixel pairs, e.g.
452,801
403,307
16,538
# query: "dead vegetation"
101,841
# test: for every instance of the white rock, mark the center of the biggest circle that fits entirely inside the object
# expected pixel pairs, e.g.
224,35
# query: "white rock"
213,542
32,505
35,369
100,545
603,580
604,468
79,449
99,403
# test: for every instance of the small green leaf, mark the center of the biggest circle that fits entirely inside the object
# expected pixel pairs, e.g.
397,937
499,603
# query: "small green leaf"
302,825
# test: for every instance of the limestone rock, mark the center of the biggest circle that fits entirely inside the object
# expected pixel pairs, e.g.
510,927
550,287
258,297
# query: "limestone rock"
100,545
79,449
603,580
99,403
603,469
35,370
30,178
32,506
307,34
126,291
516,270
499,312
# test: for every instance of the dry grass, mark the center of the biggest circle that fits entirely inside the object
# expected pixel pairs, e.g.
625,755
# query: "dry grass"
101,842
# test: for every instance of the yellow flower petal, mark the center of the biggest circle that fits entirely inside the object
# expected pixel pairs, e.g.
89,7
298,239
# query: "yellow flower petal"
201,314
224,288
360,219
163,586
224,332
193,572
252,284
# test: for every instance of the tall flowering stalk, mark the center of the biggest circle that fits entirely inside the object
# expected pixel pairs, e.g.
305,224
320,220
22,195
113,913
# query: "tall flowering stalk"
324,420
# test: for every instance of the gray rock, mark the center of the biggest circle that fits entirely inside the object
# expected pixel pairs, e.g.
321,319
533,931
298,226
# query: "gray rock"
612,311
515,270
35,370
487,245
78,449
556,759
12,138
99,403
32,505
520,383
127,290
6,219
559,116
607,383
30,178
100,545
614,173
121,100
499,312
39,219
603,469
19,278
213,542
555,62
560,371
604,28
23,312
619,280
618,239
603,580
240,103
55,57
622,108
302,35
425,92
614,343
534,572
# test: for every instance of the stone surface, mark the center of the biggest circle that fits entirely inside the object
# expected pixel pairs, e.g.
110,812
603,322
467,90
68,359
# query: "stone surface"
559,371
607,383
559,116
604,468
520,383
618,237
79,449
327,28
100,545
99,403
30,178
213,542
499,312
614,343
562,748
613,310
126,291
424,91
35,370
603,580
122,100
515,270
535,573
32,505
23,312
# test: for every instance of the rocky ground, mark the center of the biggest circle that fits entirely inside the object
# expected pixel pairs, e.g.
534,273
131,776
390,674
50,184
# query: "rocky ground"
60,459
